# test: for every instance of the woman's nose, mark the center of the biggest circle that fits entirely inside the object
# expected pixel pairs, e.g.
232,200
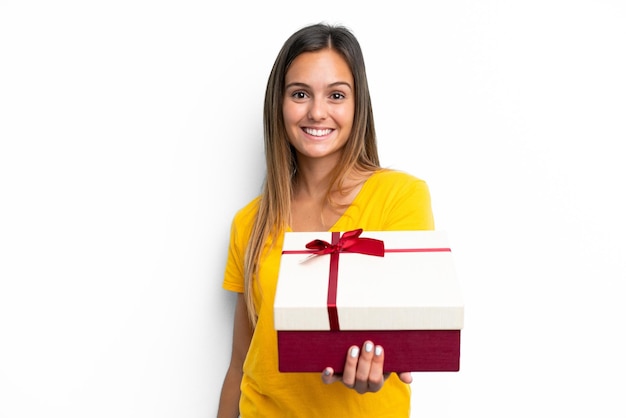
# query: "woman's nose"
318,109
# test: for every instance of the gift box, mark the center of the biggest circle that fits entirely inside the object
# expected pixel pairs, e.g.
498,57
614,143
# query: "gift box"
396,288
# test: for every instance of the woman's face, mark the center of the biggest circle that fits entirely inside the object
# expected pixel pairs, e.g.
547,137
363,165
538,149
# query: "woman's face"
318,107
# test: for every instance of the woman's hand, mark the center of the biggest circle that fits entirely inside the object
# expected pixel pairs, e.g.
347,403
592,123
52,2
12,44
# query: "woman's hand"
363,370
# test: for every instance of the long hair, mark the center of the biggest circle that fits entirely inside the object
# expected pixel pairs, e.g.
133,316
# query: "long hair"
360,151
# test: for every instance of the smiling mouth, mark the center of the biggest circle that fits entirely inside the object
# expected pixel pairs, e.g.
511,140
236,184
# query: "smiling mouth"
317,132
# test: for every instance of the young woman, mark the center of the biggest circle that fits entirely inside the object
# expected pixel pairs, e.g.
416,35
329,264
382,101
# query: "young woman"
323,174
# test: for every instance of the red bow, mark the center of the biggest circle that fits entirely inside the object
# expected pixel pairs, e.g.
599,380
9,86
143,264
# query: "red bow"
349,243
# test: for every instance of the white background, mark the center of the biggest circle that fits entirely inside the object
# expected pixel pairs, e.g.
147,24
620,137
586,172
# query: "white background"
131,133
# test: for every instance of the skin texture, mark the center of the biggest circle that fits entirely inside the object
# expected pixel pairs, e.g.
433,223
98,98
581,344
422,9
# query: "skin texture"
318,97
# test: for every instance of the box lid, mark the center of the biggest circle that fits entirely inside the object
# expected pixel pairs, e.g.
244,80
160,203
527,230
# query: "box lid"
414,286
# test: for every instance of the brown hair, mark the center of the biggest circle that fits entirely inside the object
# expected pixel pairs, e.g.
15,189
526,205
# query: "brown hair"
360,151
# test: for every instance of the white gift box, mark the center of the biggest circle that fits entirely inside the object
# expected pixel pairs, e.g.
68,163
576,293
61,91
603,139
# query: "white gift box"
407,299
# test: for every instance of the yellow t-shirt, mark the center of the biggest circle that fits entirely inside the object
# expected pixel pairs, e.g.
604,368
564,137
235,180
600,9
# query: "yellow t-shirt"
388,200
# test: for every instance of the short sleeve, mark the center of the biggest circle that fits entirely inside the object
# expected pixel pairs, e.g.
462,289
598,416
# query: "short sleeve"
233,274
408,205
239,237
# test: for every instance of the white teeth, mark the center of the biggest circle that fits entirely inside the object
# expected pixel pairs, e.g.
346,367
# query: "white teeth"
317,132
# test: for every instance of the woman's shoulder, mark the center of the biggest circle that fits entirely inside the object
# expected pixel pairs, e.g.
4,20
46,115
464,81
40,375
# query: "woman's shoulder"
244,217
389,185
399,199
394,177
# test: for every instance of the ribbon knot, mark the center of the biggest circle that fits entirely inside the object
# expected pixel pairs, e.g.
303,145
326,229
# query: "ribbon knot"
349,242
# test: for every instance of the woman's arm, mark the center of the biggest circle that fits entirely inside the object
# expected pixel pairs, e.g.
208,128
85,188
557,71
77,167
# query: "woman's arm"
242,334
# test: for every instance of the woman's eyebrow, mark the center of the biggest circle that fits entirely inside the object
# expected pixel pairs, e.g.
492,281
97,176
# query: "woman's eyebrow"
335,84
341,83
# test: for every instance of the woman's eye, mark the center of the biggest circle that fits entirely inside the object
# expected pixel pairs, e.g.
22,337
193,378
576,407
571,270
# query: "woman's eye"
299,95
337,96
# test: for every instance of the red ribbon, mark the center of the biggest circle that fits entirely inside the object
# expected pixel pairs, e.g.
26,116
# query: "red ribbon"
349,242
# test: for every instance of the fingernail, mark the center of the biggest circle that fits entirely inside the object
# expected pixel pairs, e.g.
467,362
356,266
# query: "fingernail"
379,350
368,347
354,352
326,372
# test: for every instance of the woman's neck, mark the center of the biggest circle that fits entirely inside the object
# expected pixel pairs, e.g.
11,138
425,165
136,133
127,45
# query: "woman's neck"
316,206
